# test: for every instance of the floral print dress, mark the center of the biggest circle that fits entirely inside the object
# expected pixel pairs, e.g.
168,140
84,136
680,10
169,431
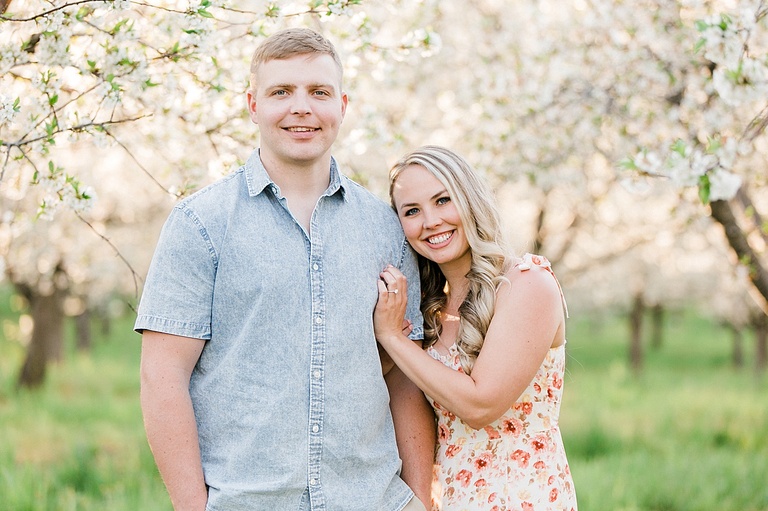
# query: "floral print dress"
516,463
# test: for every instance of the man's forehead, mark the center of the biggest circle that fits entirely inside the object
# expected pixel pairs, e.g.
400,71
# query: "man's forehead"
300,70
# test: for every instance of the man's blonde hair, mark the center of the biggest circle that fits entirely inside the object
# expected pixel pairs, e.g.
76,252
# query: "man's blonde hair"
289,43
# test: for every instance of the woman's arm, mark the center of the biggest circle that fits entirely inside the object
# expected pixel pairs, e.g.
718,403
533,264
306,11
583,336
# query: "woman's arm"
528,321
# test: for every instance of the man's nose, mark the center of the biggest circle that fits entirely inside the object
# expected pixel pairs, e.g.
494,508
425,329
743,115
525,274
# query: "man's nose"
300,104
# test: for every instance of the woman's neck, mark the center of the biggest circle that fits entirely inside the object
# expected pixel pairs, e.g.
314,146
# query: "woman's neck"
456,292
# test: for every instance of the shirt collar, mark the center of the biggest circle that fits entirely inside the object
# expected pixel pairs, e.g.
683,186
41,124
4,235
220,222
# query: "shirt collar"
258,179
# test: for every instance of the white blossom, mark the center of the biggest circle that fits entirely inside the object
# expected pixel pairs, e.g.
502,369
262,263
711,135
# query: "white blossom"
8,109
53,48
723,185
648,162
746,84
119,5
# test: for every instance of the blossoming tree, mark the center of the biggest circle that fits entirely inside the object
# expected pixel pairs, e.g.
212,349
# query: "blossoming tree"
111,110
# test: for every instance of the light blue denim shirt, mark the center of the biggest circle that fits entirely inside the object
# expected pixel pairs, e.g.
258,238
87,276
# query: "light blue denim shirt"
291,407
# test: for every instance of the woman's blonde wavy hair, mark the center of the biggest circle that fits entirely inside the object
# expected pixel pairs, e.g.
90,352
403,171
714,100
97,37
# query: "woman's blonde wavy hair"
475,203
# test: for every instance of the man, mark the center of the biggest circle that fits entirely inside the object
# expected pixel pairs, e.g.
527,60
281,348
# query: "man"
262,387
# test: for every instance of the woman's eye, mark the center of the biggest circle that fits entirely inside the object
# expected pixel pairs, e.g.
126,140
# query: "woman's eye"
443,200
410,212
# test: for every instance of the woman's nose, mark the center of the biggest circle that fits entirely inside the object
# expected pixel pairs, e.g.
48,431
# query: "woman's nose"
431,219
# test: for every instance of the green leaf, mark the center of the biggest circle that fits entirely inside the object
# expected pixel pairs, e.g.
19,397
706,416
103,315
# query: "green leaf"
53,99
701,25
118,26
699,45
679,147
204,13
704,189
628,164
713,144
725,20
83,12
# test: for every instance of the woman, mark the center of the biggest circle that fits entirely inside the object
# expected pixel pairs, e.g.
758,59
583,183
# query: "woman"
495,338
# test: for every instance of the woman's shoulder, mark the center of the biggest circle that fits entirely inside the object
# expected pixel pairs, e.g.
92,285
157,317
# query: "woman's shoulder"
531,275
528,266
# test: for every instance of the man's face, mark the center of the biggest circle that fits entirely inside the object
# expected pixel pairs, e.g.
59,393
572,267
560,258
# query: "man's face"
299,106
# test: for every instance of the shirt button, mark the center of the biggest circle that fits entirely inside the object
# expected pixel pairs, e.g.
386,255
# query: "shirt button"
313,481
315,428
316,374
315,267
318,320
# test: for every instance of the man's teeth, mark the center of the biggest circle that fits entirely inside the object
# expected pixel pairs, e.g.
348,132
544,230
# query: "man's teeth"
439,238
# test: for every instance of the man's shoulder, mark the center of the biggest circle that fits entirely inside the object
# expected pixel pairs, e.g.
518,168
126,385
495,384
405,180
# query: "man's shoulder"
215,196
363,195
371,208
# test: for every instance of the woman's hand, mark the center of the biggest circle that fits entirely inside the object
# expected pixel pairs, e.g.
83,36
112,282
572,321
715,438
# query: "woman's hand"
389,321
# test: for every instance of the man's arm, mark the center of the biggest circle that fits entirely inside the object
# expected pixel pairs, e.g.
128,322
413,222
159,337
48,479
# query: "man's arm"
167,362
415,431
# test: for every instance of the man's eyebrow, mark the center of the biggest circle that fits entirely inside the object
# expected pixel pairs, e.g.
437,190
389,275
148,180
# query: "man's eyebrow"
294,86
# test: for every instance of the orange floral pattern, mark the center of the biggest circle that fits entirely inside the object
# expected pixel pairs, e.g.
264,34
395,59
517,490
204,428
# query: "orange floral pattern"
516,463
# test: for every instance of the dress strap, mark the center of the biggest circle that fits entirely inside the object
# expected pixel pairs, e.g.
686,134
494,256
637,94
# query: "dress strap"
528,260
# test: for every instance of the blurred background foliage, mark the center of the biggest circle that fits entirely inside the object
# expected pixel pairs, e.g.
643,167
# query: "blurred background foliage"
626,142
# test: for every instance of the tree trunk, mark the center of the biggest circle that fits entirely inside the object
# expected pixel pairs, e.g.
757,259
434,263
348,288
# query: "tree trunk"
737,353
106,324
657,326
636,334
83,330
47,336
761,344
722,212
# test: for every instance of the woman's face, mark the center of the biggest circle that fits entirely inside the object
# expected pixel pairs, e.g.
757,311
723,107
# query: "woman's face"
429,217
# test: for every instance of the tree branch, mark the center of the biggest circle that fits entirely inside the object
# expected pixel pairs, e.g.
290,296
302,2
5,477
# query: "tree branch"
723,213
50,11
138,163
80,127
134,274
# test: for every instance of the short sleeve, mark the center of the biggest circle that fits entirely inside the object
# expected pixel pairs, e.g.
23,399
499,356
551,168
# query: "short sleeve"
410,268
178,292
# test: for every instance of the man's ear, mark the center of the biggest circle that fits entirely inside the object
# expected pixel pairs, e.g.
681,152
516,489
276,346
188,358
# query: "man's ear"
344,101
250,98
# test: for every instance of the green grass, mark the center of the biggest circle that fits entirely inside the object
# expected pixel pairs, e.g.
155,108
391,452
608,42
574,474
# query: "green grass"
77,443
688,434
